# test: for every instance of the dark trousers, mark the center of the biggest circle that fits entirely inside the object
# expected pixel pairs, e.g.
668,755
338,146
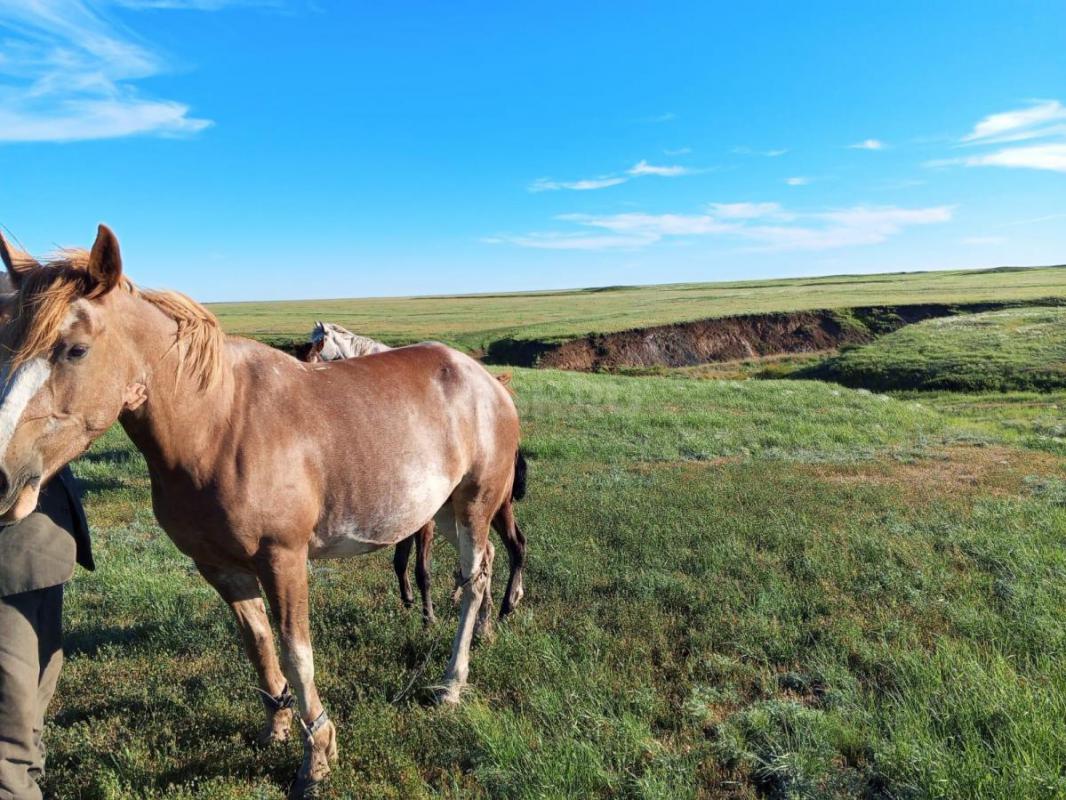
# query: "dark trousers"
31,655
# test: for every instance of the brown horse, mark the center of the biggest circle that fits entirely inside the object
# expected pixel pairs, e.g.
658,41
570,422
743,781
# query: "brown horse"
257,461
312,352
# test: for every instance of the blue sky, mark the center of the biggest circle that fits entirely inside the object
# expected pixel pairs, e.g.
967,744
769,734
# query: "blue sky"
255,150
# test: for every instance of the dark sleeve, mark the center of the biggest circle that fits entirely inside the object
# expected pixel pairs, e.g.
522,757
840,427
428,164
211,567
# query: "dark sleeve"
77,514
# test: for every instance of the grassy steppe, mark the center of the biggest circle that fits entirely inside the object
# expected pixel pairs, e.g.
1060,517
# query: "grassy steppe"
472,322
1013,349
736,589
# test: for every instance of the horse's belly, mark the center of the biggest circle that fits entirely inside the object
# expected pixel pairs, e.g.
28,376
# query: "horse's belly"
343,541
370,525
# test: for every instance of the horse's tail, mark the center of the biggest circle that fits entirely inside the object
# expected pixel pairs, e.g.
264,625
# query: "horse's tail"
518,487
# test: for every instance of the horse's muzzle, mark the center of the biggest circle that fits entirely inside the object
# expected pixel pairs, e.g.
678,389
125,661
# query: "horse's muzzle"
18,495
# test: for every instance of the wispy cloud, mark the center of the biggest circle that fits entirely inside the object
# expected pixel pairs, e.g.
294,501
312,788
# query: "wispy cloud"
677,151
868,144
641,169
668,116
1032,220
984,241
644,168
1038,120
194,5
1044,120
584,185
797,180
899,183
652,226
761,226
69,74
1043,156
748,151
571,241
748,210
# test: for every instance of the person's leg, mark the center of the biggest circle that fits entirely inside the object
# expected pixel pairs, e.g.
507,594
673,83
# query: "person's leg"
19,678
50,658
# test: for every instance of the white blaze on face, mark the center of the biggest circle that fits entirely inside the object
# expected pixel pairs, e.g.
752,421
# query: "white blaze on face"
16,392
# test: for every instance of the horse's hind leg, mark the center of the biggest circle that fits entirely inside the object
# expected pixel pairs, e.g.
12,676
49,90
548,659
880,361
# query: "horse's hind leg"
423,569
507,527
473,579
483,629
241,591
399,566
283,573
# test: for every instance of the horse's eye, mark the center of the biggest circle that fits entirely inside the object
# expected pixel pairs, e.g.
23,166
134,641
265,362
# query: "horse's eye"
77,352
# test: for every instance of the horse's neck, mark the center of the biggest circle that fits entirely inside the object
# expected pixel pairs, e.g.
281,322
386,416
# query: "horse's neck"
180,424
352,345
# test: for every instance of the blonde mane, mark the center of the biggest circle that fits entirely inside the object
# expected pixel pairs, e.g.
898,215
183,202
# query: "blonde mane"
46,292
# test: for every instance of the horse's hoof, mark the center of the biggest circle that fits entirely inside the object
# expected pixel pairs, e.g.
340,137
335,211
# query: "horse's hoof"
319,751
270,736
485,633
511,601
305,788
447,696
276,729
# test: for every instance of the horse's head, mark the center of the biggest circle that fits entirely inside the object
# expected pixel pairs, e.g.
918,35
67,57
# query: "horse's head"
311,351
65,367
325,344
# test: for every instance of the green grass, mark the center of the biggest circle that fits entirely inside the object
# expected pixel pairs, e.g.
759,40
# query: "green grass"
1012,349
473,322
764,589
1035,420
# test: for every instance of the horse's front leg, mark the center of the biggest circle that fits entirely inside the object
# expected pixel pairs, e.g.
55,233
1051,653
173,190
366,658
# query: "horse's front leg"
241,591
283,573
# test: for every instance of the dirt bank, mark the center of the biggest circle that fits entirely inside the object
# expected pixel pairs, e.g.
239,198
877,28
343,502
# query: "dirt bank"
725,338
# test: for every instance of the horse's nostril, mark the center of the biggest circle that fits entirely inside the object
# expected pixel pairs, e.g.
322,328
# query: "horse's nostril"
4,482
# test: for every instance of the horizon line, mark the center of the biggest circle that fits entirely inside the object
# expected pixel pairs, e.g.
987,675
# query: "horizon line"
622,287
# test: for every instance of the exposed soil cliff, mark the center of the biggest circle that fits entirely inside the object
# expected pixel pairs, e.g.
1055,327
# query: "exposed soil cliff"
724,338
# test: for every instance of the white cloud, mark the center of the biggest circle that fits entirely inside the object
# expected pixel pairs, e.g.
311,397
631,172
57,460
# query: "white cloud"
639,170
980,241
669,116
850,227
1022,123
899,183
744,222
743,150
868,144
1037,156
584,185
1032,220
571,241
677,151
69,74
1044,120
644,168
746,210
652,226
194,5
797,180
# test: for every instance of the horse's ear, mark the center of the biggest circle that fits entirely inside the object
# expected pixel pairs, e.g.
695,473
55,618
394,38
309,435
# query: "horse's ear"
15,261
105,262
